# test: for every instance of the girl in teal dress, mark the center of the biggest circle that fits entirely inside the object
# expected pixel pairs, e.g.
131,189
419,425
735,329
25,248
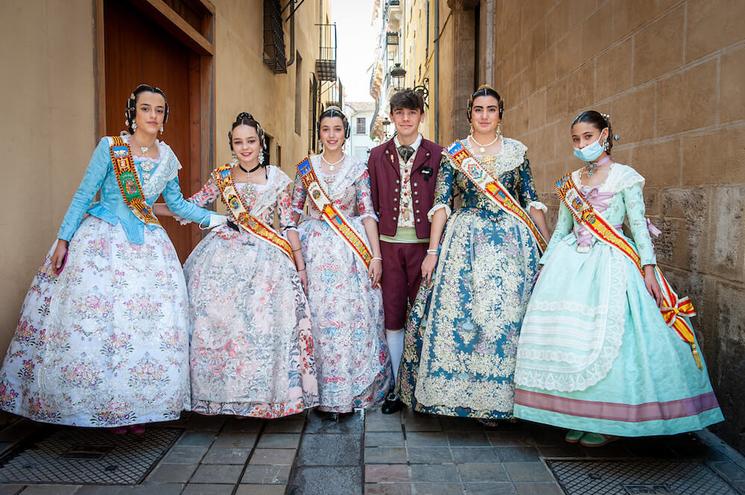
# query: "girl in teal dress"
595,354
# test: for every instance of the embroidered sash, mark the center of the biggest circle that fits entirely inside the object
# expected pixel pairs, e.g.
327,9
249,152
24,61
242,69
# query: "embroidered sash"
234,202
674,309
490,186
129,181
331,215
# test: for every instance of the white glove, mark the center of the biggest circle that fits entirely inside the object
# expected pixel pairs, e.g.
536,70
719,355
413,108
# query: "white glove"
216,220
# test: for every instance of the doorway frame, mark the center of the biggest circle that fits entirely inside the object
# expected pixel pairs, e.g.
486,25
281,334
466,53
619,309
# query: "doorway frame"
201,73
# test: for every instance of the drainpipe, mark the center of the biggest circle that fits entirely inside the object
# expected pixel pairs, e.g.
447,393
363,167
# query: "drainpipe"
489,69
437,70
292,32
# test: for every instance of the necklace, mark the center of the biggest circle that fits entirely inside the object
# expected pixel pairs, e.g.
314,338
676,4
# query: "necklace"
482,147
592,167
143,149
332,166
249,171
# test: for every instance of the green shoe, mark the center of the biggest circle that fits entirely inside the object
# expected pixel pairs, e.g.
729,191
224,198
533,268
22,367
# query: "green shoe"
573,436
596,440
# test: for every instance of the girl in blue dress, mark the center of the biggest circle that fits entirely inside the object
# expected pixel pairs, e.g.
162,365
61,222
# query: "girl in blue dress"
103,336
595,354
461,339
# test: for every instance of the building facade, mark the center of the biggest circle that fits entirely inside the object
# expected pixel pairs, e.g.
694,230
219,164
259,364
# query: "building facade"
360,114
669,72
68,68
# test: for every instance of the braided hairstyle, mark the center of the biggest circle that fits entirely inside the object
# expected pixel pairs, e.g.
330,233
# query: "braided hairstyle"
485,90
334,111
245,118
131,110
599,121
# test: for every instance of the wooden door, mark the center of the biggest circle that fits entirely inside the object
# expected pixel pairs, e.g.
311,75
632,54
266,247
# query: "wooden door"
136,50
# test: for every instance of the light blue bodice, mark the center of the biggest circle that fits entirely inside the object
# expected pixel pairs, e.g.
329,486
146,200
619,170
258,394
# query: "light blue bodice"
626,204
156,176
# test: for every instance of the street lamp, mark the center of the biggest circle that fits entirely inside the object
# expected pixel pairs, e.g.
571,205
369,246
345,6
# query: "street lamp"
398,74
386,123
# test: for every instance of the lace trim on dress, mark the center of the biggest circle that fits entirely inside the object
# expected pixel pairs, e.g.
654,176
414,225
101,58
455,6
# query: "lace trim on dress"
344,179
509,158
266,194
166,169
550,377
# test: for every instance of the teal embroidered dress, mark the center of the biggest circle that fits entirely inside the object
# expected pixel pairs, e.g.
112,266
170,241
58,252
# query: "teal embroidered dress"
595,353
465,329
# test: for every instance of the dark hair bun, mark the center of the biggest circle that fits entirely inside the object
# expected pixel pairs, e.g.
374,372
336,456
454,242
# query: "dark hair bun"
244,116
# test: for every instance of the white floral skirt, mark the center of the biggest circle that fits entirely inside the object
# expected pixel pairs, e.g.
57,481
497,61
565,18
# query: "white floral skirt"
106,342
354,367
252,347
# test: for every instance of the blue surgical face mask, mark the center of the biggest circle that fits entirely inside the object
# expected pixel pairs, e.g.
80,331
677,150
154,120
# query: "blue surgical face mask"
591,152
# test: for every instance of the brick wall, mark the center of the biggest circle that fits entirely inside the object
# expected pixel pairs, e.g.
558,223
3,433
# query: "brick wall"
672,75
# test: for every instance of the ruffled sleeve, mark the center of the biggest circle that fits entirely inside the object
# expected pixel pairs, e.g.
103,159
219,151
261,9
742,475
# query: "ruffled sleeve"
364,203
443,189
528,196
207,194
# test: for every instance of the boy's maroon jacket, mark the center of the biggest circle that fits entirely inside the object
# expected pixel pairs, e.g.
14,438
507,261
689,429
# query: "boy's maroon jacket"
385,181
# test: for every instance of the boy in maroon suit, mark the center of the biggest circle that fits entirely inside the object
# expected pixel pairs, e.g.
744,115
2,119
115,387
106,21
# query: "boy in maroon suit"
403,173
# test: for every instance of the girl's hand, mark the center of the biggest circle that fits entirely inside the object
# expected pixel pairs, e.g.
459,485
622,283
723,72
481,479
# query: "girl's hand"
59,256
652,286
376,272
303,274
428,268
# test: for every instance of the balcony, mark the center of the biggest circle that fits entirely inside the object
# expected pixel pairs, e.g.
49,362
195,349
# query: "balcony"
326,61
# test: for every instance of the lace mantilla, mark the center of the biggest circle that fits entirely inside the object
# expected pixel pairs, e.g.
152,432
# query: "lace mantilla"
345,178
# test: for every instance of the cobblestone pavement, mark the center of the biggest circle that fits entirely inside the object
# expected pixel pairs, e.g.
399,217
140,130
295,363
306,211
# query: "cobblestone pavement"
401,454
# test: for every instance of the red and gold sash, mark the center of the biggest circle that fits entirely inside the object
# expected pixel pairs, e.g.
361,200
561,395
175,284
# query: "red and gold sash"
129,181
490,187
234,202
674,309
331,215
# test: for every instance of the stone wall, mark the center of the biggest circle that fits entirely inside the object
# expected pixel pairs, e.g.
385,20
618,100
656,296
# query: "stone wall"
671,73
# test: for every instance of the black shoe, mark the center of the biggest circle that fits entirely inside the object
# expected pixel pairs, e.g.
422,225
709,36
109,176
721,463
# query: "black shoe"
392,404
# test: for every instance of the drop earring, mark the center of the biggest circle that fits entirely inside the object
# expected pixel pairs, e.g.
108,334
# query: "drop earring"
234,159
261,157
134,126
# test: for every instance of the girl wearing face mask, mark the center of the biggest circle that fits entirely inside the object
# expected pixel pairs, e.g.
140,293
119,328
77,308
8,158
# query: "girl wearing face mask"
606,347
338,255
251,346
103,337
461,340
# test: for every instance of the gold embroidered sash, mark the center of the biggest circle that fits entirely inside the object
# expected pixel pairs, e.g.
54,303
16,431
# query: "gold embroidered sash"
490,186
129,181
674,309
234,202
331,215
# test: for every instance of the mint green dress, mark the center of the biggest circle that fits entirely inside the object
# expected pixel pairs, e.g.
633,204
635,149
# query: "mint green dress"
595,353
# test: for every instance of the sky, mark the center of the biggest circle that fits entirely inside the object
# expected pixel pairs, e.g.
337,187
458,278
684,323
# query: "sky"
356,46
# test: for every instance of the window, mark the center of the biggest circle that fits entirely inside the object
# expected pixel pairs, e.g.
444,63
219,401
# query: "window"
361,127
274,37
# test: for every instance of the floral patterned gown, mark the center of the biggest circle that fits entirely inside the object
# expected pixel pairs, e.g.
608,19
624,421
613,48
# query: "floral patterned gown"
252,347
106,342
461,336
347,313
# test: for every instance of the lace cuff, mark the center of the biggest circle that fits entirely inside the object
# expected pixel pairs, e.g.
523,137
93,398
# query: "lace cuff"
436,207
538,206
369,215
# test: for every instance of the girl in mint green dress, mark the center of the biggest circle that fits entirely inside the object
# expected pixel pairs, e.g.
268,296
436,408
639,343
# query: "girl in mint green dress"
595,355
